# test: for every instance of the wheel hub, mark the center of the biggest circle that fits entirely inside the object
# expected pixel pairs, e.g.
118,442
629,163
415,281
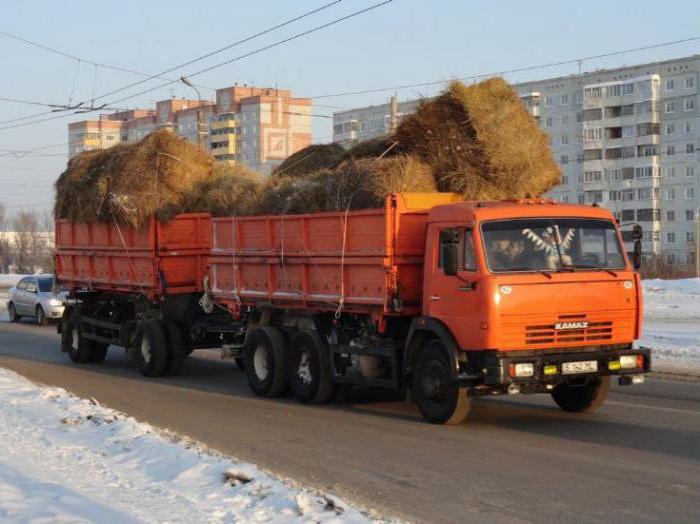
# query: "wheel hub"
304,369
260,363
146,350
74,339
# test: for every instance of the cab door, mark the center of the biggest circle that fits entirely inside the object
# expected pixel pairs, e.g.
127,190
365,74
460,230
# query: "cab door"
454,299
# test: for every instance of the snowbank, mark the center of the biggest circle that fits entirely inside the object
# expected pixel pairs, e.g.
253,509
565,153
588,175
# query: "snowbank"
71,460
672,324
7,280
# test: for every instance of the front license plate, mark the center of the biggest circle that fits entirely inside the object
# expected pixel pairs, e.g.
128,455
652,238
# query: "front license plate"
585,366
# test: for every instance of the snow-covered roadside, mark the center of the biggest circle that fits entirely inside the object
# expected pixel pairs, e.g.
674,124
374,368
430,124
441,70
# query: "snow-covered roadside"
65,459
7,280
672,324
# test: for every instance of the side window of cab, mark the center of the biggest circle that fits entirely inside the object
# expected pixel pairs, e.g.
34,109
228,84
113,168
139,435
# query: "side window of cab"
463,239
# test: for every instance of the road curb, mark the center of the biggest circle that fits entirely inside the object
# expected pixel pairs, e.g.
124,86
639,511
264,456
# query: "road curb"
669,375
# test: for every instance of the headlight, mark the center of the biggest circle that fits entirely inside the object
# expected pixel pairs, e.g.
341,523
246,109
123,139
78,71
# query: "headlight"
631,361
55,302
522,369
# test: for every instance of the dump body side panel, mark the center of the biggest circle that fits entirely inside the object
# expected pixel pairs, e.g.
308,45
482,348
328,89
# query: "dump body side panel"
367,261
156,259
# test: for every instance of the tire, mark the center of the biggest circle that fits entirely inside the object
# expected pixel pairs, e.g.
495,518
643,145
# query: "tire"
99,353
308,369
264,358
240,362
81,350
437,394
41,319
585,398
177,349
12,312
151,348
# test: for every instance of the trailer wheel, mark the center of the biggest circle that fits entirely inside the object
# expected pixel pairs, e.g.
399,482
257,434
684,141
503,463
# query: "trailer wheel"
437,394
308,369
40,316
177,349
151,348
584,398
263,357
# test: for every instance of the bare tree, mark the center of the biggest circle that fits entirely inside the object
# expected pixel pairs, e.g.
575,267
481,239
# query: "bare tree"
5,247
27,241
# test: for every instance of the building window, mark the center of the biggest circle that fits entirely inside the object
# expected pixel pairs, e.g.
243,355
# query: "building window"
670,238
593,176
594,197
627,195
670,216
670,129
648,215
670,107
579,117
564,139
688,127
627,89
564,100
565,180
547,101
689,149
644,193
689,236
564,159
670,85
670,150
670,172
689,82
690,214
689,104
578,97
565,119
565,199
581,199
614,195
627,110
671,194
627,215
644,172
689,192
689,170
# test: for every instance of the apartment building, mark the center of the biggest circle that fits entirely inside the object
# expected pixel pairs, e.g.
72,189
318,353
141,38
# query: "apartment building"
258,127
625,138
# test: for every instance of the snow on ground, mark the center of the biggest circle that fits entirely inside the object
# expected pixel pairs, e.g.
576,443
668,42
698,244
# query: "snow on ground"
7,280
65,459
672,324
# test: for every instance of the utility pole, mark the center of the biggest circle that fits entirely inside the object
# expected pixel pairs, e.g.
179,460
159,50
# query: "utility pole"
393,114
200,115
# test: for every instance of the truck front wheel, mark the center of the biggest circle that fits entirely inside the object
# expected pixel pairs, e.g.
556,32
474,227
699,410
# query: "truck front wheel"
308,369
437,394
583,398
263,356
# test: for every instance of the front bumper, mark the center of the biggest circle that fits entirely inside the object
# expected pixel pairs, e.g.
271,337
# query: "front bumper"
492,368
54,312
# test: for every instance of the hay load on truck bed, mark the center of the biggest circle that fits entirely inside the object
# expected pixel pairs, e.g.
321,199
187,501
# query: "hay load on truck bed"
441,298
136,288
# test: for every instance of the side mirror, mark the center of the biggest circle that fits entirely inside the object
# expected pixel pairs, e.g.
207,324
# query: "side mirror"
450,260
637,248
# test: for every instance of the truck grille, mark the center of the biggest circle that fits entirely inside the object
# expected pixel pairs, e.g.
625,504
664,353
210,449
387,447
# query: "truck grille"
548,334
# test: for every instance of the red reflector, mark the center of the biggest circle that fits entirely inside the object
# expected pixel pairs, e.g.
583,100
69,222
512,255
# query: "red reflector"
511,370
640,361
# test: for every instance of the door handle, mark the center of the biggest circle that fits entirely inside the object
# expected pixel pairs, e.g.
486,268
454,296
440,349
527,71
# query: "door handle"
468,286
435,298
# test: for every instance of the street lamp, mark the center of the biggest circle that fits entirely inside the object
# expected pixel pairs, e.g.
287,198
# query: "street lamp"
200,114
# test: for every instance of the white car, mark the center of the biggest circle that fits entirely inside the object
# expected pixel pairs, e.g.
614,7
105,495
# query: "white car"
33,296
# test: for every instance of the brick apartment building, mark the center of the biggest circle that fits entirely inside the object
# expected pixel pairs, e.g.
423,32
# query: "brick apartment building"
258,127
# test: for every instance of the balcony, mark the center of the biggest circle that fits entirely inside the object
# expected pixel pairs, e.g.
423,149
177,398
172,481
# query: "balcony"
223,124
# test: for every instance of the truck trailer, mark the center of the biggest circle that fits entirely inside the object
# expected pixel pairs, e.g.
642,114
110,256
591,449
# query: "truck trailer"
440,299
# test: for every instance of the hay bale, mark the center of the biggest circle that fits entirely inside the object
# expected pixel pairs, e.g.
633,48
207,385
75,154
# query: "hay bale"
231,190
312,158
131,183
481,142
374,147
354,184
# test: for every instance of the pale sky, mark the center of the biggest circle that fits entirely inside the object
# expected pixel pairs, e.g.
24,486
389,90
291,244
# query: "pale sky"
403,42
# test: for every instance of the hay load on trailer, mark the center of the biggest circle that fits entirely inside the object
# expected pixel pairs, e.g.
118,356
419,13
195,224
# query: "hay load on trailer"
131,183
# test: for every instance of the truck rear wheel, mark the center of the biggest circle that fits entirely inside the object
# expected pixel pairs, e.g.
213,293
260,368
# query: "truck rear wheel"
151,348
263,356
584,398
437,394
308,369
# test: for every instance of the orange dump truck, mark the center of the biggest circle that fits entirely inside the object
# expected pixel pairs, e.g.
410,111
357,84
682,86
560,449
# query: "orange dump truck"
446,300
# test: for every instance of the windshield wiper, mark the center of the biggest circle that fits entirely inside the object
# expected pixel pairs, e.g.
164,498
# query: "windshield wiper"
542,271
597,268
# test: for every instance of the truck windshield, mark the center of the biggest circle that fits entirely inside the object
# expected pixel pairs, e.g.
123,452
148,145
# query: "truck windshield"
551,244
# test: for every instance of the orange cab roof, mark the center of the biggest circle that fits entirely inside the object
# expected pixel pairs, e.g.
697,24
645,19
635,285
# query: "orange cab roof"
504,209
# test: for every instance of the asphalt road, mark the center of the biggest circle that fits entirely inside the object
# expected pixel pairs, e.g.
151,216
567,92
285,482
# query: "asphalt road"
515,459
